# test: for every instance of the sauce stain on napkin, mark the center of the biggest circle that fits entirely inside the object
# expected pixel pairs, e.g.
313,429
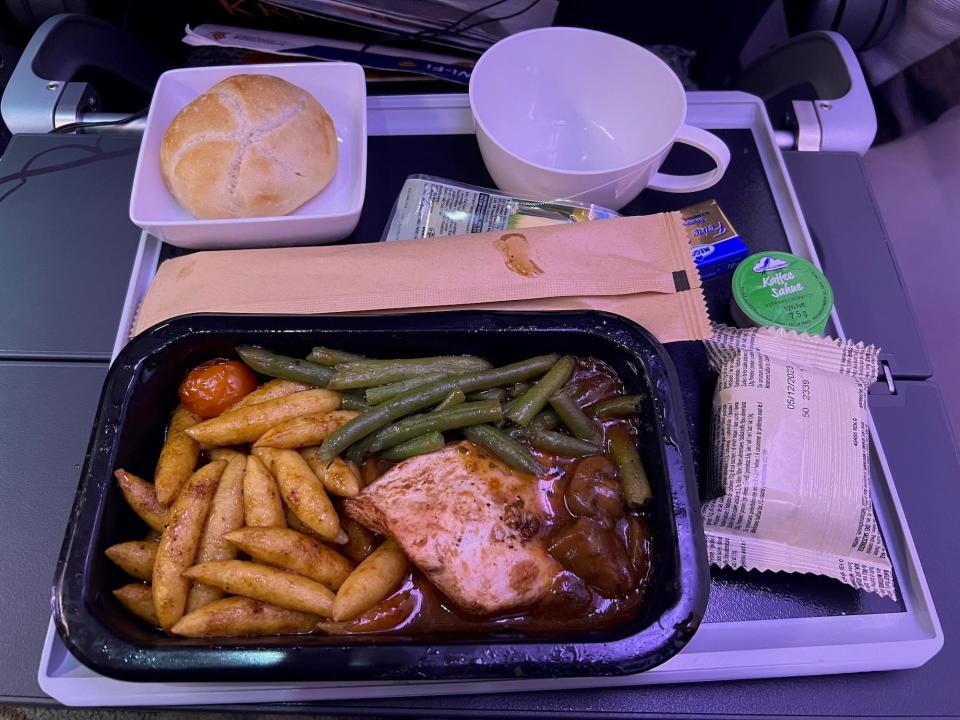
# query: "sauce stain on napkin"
516,253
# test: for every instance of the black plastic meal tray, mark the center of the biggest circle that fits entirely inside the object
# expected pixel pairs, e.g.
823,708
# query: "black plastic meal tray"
140,392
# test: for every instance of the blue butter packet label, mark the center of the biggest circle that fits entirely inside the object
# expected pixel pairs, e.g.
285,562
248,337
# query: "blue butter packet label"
714,243
719,257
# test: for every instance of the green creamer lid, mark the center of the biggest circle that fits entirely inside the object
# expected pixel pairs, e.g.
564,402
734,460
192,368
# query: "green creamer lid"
777,288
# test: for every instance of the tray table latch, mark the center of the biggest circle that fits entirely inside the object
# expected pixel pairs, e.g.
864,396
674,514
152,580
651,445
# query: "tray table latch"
885,384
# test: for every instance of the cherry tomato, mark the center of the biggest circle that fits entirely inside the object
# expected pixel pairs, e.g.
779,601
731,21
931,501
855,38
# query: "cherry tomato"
211,388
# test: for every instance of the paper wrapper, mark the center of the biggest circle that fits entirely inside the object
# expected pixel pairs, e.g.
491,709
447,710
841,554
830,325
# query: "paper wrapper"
638,267
791,458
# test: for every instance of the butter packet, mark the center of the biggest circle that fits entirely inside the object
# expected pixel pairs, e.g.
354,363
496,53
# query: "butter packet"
716,246
791,457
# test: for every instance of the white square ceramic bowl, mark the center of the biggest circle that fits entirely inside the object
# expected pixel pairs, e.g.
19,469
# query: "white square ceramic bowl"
329,216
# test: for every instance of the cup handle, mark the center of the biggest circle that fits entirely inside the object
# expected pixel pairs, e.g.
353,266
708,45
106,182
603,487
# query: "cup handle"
702,140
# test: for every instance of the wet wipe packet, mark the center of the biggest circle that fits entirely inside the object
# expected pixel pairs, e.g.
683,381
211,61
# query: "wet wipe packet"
790,464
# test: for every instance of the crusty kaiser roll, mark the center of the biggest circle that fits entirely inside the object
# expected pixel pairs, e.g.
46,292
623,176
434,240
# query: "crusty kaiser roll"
251,146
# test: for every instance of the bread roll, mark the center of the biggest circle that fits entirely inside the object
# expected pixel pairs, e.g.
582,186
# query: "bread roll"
251,146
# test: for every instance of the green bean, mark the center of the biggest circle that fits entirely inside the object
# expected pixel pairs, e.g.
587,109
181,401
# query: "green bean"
429,394
559,444
518,389
430,442
456,397
450,419
618,406
504,447
281,366
498,394
355,454
327,356
382,393
531,402
370,373
633,478
546,420
507,408
354,402
506,374
575,420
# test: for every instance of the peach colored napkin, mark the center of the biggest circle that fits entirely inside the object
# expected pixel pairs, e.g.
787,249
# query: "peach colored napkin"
638,267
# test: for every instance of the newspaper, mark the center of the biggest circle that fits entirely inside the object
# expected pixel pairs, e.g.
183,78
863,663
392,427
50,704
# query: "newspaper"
445,67
791,457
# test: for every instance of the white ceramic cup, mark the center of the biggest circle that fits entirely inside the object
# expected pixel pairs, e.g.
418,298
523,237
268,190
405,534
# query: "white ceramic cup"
568,113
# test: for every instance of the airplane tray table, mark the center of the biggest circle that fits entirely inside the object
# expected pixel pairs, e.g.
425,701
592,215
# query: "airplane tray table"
757,625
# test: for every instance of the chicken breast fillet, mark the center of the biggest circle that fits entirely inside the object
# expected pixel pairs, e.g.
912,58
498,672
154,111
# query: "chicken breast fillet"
469,522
